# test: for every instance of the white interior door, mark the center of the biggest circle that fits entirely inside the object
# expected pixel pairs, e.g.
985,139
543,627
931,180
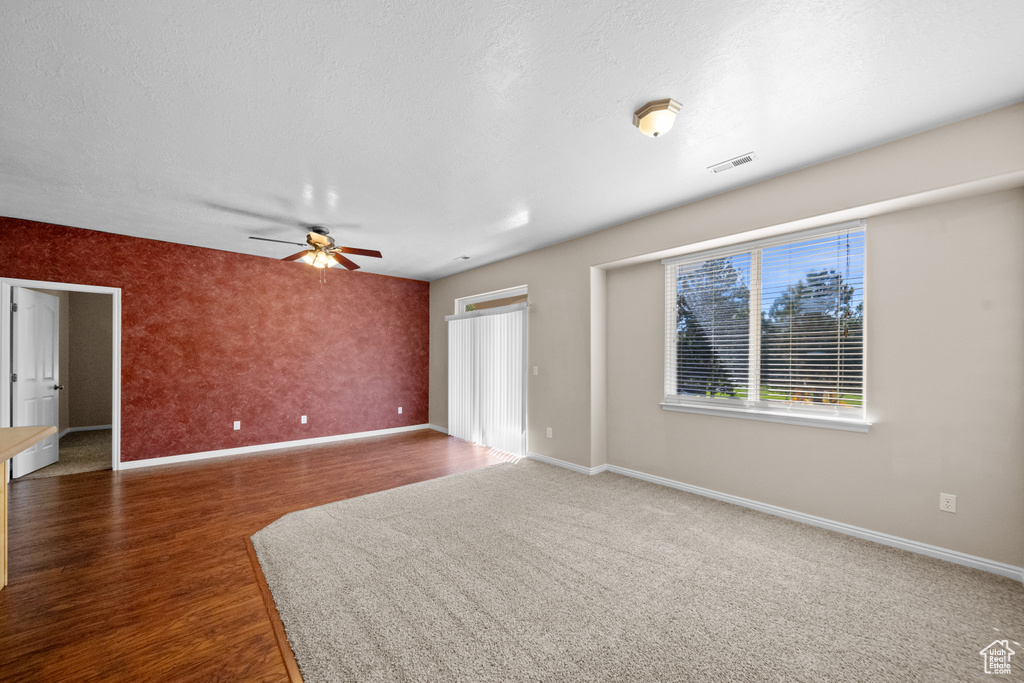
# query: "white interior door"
35,360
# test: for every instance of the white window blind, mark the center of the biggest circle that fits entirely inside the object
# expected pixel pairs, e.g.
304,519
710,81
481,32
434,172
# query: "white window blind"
770,328
487,377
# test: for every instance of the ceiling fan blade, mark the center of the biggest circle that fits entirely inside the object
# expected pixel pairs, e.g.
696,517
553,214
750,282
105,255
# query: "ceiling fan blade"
267,239
358,252
351,265
296,257
287,220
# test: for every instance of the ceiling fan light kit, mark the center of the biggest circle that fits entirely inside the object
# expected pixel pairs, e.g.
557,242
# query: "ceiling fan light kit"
656,118
318,259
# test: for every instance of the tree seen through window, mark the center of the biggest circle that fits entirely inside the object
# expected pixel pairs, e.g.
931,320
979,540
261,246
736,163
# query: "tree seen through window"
806,345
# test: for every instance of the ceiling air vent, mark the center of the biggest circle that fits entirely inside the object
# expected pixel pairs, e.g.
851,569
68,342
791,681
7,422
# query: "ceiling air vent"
733,163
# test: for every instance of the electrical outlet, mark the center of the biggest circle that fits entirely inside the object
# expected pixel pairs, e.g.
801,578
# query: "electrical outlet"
534,370
549,432
399,410
947,502
238,425
303,419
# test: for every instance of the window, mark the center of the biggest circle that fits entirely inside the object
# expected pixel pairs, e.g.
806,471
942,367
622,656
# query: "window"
772,329
502,297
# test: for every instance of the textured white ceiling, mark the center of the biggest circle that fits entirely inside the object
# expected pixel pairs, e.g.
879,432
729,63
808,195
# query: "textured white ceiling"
429,130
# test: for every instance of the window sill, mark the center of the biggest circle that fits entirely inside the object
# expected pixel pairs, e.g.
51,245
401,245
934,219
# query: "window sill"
782,418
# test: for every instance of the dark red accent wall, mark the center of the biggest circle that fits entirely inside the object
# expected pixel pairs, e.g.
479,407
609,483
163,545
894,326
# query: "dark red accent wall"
209,337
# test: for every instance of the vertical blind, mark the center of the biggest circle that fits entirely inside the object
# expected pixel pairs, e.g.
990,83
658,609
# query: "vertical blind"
770,326
487,377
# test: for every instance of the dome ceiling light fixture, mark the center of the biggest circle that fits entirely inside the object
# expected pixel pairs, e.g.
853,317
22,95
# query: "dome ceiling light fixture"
656,118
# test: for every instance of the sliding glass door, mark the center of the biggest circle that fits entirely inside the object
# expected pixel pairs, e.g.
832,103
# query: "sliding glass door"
487,377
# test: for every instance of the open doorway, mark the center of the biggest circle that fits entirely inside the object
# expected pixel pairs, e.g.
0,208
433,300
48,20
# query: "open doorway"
86,381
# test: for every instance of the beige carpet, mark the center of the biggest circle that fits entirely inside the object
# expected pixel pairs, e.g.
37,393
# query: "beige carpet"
528,572
79,452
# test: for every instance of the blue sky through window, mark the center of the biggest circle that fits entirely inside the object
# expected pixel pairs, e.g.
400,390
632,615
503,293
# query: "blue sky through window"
788,264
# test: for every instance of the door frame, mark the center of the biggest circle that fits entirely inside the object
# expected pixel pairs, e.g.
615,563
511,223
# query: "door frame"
460,310
462,301
6,283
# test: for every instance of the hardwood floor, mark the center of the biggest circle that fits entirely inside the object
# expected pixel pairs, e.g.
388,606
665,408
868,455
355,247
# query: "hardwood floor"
143,575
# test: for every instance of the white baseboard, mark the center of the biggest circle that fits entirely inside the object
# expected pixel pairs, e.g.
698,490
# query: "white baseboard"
438,429
956,557
567,465
258,448
82,429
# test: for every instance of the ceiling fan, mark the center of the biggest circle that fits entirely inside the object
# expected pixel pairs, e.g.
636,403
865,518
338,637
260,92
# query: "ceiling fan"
324,253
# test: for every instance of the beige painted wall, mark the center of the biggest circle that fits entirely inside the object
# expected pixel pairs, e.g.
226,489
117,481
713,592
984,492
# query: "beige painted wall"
558,325
945,307
91,373
961,159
